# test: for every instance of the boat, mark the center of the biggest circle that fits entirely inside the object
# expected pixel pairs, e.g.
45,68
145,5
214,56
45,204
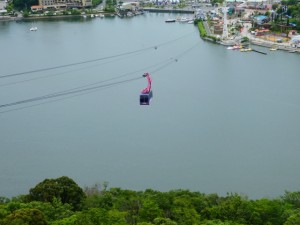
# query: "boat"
273,48
129,14
184,19
170,21
33,29
246,49
191,21
235,47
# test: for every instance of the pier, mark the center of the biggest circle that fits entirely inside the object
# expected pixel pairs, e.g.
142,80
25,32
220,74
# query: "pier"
160,10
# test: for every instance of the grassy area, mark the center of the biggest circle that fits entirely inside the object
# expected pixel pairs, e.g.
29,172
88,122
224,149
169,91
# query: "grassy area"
201,29
203,33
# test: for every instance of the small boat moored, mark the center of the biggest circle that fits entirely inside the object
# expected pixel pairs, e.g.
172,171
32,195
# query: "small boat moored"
33,29
170,21
273,48
234,47
246,50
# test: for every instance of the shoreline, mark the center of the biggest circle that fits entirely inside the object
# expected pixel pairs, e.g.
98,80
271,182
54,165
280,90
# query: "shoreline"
257,43
252,40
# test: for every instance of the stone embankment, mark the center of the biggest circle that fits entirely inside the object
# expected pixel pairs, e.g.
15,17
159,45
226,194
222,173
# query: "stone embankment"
9,18
279,46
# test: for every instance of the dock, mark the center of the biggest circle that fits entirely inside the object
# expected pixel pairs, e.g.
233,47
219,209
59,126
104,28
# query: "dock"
165,10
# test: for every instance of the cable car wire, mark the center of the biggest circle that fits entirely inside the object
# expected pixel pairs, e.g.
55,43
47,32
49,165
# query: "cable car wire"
61,73
166,62
95,60
83,89
67,93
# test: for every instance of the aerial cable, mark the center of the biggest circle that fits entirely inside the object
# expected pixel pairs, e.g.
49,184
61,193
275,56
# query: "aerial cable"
77,91
166,62
94,60
67,93
187,50
60,73
50,101
74,64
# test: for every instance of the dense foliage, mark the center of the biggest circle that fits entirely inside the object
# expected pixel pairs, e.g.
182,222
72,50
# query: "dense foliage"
96,2
203,33
110,6
24,4
51,202
62,188
283,20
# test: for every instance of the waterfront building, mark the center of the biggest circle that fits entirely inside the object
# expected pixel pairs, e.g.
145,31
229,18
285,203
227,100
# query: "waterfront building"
130,6
60,4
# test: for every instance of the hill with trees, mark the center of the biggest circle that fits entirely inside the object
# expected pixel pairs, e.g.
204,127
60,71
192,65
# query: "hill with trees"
62,202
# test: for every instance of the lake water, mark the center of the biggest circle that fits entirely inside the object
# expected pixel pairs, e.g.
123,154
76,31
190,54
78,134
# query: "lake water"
220,121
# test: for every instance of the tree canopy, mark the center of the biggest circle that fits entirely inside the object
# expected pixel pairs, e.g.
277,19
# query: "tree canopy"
62,202
62,188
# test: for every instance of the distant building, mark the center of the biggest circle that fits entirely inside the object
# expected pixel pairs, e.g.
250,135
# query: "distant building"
37,8
61,4
130,6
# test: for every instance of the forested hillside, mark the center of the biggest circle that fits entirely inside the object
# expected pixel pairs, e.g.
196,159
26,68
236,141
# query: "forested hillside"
62,202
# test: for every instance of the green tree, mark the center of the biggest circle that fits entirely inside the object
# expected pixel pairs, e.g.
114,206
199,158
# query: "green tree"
63,188
53,211
24,4
4,200
116,217
164,221
3,212
269,211
292,198
293,219
66,221
219,222
233,208
25,217
149,211
183,212
101,200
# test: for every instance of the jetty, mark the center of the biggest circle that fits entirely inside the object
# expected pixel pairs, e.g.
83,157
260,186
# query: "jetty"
169,10
264,53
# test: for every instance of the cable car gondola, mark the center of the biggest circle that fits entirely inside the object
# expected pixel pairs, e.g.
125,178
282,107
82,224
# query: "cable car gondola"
146,94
